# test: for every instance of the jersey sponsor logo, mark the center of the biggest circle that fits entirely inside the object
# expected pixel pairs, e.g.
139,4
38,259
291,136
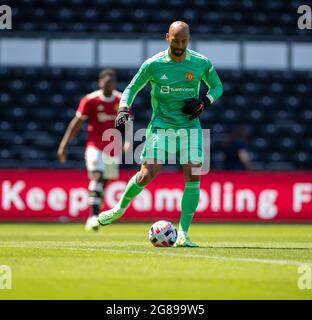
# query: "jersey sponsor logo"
189,76
102,117
168,89
164,89
164,77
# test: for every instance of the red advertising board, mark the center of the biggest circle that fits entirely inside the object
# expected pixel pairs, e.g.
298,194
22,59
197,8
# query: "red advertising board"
225,196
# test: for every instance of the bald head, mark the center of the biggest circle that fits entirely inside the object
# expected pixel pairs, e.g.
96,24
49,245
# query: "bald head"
179,27
178,37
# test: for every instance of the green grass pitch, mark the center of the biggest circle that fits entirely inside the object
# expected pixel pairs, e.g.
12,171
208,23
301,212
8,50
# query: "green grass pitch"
54,261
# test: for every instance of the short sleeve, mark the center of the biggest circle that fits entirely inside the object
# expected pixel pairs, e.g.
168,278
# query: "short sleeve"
83,109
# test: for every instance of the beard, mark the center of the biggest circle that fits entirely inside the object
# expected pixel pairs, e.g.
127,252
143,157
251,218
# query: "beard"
177,52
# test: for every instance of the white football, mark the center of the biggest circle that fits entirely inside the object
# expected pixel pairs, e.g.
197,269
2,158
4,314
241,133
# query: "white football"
163,234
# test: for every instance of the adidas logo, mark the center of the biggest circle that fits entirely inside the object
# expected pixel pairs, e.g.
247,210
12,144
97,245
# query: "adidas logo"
164,77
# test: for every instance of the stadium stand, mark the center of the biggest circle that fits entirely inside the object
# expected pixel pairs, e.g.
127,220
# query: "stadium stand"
275,106
136,16
38,102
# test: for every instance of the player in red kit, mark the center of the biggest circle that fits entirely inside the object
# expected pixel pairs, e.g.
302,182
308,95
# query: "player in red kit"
99,108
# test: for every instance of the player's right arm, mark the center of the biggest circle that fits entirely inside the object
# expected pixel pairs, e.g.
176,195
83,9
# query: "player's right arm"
137,84
244,157
73,128
70,133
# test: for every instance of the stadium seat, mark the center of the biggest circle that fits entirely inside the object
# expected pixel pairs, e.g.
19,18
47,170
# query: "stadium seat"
224,17
38,103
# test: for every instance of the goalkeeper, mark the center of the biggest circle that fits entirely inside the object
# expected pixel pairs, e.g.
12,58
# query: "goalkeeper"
175,75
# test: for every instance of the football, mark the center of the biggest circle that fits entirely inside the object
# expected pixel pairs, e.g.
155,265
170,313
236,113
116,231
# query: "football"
163,234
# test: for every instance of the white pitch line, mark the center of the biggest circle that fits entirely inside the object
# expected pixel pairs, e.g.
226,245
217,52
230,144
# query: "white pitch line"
183,255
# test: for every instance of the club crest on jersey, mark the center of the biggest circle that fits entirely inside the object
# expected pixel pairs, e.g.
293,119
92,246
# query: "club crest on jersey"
189,76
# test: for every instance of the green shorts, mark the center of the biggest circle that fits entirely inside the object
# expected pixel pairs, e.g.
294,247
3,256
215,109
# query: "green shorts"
184,145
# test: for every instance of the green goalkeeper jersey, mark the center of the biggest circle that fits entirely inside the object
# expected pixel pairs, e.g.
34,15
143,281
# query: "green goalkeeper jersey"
171,83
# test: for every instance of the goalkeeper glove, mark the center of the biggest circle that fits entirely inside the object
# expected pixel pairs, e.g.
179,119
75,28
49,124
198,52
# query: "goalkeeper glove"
123,116
194,106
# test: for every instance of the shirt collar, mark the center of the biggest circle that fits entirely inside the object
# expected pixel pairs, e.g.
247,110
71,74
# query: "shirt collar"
107,99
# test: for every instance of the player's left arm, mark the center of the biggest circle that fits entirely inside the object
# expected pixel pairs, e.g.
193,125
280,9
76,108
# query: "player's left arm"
194,106
212,80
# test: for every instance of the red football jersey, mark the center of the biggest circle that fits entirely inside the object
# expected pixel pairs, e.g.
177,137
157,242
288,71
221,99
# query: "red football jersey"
100,111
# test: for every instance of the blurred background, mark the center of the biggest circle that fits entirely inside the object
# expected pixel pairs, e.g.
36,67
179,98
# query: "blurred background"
51,59
52,55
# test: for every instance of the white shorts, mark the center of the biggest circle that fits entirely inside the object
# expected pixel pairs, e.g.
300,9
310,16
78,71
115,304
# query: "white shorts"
96,160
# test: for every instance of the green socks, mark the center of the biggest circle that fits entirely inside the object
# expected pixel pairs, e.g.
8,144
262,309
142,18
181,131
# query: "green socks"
132,189
190,201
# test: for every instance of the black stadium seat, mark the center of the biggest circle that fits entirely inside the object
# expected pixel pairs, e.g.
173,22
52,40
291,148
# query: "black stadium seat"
215,17
38,103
